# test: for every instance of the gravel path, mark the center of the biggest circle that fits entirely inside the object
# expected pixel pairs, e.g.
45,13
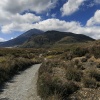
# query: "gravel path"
23,86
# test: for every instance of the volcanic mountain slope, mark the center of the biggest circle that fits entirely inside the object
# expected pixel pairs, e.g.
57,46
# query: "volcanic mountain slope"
38,38
21,39
50,38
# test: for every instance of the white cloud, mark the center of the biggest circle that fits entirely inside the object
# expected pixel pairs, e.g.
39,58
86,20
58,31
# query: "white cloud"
56,24
17,6
93,31
10,21
10,13
73,26
7,18
2,39
95,20
49,24
16,27
71,6
12,38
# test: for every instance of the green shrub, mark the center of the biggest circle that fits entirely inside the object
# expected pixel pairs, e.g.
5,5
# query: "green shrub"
80,51
73,74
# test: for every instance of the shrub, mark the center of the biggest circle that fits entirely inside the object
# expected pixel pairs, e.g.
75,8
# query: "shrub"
45,67
13,60
96,51
67,89
54,97
51,86
80,51
44,85
98,65
76,61
84,59
94,73
48,87
73,74
88,56
80,66
89,82
12,65
63,91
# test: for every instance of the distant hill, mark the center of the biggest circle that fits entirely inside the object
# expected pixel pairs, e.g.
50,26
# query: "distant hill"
50,38
21,39
68,39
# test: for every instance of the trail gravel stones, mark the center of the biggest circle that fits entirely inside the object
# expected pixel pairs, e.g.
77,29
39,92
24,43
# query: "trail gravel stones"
22,86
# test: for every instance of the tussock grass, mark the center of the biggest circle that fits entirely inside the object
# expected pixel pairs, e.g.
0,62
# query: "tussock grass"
89,82
60,78
94,73
74,74
68,69
14,60
49,84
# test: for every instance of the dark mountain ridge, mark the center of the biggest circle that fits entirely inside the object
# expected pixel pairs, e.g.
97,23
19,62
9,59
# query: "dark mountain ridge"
38,38
21,39
50,38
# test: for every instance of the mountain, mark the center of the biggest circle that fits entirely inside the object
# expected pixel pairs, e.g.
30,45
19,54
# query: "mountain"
50,38
21,39
38,38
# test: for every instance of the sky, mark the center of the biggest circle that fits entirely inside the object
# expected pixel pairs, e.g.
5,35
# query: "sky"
77,16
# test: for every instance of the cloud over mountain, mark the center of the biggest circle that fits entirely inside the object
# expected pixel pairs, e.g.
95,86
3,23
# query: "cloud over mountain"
71,6
22,15
2,39
12,20
10,12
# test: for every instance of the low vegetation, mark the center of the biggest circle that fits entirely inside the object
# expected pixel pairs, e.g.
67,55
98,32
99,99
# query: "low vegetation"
89,82
49,84
14,60
73,74
68,70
